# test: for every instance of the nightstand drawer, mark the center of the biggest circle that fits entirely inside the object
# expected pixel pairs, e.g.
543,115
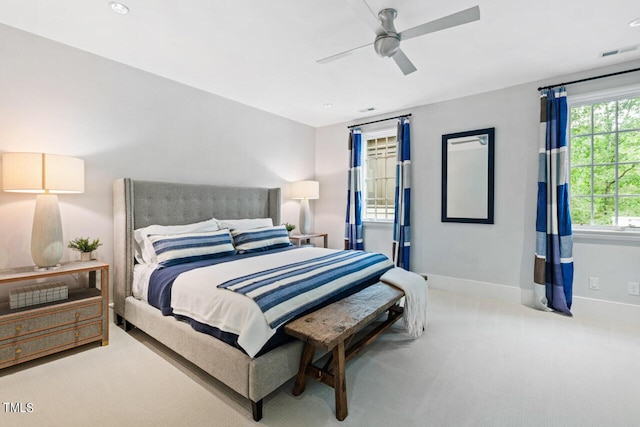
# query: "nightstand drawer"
47,318
49,343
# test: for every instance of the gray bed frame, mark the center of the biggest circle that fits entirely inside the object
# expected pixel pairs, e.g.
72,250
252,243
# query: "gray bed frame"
141,203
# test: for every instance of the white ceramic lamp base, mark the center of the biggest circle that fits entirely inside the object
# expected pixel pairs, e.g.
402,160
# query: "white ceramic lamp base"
305,217
46,235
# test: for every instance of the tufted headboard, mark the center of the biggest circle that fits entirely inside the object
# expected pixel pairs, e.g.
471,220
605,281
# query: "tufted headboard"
138,204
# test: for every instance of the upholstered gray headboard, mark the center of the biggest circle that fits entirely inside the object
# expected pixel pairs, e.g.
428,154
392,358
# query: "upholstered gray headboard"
138,204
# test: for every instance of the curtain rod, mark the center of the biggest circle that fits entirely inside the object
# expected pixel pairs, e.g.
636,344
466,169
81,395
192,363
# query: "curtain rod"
377,121
589,78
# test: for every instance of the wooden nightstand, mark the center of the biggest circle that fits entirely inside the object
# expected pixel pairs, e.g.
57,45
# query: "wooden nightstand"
305,239
34,331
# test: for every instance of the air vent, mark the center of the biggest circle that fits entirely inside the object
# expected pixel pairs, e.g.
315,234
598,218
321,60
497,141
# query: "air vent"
620,50
367,110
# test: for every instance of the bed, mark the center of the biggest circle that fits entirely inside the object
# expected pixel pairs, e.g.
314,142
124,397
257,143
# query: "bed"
139,204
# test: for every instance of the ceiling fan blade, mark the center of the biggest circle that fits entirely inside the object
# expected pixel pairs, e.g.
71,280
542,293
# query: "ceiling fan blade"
453,20
341,54
406,66
366,15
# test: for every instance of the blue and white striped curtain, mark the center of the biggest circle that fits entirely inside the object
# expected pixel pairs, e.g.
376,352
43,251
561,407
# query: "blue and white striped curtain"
353,237
553,275
401,219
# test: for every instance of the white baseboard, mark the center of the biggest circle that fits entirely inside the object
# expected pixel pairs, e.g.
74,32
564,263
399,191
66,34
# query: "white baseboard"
627,314
587,308
475,288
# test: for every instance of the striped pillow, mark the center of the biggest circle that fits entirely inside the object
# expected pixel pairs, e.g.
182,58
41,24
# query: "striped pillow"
143,248
180,248
260,239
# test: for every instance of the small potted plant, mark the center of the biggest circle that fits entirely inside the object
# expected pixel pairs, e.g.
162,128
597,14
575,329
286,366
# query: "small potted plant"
289,227
85,246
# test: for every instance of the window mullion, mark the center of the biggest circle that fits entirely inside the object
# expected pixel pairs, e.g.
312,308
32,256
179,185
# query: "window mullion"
617,168
591,182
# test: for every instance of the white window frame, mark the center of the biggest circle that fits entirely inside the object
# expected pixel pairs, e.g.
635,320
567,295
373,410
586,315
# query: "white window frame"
601,232
374,134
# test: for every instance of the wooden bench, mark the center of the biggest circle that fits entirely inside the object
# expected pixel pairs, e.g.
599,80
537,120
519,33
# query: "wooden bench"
331,329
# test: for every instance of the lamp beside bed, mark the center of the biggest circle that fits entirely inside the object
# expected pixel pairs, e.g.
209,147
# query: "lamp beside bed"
305,191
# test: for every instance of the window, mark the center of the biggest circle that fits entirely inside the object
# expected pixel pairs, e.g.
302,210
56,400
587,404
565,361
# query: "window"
380,151
604,143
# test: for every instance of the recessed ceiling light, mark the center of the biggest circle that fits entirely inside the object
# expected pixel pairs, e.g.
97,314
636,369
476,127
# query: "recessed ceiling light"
327,105
635,23
119,8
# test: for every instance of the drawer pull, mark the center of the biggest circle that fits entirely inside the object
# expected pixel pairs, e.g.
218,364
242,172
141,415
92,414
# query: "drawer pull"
18,328
18,350
77,334
77,315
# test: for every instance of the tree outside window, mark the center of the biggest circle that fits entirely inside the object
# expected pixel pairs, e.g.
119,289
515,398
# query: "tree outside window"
605,163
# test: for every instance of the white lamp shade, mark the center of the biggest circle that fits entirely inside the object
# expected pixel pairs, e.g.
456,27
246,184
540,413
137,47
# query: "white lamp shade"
42,173
305,190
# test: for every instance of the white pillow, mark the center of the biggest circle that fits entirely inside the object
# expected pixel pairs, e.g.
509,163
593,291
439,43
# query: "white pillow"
144,252
245,224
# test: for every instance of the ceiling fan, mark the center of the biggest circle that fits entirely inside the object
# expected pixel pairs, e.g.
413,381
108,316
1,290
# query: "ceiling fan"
387,41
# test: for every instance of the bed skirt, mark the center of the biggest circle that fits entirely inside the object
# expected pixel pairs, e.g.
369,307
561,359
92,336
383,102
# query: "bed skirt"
228,364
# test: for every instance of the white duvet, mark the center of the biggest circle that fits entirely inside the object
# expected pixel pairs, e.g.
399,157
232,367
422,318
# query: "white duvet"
195,295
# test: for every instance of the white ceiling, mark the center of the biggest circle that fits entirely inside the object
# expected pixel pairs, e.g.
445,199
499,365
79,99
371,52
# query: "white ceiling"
263,53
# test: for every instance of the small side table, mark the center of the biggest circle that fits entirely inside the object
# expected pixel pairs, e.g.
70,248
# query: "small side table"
305,239
52,325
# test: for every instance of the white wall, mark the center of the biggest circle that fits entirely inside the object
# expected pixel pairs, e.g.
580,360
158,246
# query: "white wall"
125,122
477,255
128,123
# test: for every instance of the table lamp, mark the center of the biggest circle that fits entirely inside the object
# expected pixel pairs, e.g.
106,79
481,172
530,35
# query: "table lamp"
305,191
45,175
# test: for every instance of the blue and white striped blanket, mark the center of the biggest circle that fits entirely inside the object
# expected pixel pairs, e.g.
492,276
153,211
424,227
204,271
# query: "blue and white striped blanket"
251,297
286,291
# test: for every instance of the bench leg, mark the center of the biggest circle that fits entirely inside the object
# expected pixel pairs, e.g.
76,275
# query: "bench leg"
305,361
340,382
328,366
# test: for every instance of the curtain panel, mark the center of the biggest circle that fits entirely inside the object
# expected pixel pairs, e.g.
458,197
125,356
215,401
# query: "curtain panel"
553,274
353,236
402,209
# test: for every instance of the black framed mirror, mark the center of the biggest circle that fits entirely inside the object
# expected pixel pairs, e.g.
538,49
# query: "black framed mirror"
467,176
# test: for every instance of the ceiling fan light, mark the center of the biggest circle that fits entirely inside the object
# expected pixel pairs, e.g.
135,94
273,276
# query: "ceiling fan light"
386,45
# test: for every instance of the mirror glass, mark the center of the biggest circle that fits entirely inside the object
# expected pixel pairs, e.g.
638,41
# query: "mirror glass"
467,176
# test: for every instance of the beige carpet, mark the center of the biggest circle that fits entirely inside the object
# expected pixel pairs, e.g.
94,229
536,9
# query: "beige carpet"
480,363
